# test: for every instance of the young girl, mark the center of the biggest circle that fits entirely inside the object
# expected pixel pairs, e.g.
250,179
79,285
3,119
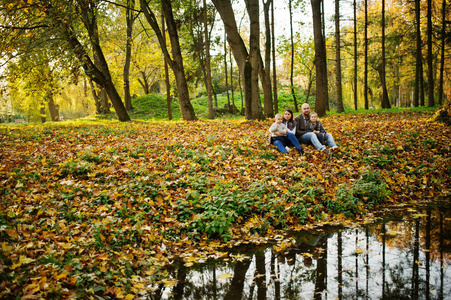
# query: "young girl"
314,125
280,137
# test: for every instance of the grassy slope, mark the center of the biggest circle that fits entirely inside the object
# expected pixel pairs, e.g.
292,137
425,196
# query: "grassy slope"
154,107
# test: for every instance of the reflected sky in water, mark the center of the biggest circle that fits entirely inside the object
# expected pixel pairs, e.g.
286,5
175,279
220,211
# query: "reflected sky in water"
403,258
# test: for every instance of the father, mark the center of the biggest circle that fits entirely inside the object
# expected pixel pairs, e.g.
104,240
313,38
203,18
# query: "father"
306,137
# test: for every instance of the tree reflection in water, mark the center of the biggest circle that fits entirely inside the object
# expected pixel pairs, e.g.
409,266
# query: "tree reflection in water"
404,258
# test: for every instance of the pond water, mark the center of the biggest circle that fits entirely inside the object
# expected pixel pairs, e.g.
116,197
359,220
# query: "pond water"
396,257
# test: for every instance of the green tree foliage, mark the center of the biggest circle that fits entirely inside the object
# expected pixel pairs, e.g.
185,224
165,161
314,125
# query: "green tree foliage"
304,68
67,31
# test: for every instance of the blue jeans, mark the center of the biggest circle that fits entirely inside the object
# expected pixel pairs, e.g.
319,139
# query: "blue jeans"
311,138
281,141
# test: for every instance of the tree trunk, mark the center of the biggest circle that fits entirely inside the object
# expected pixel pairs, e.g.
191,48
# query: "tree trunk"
292,56
128,52
385,101
242,57
166,74
431,101
104,104
366,55
225,71
320,60
231,80
176,63
323,25
268,107
355,55
42,112
207,64
53,107
144,83
442,54
96,97
340,108
274,75
254,56
419,91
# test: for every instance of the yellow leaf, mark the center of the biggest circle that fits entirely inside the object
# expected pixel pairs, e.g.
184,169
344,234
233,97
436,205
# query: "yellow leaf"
359,251
139,285
170,282
129,297
192,259
119,293
7,247
22,260
60,276
102,208
225,275
392,233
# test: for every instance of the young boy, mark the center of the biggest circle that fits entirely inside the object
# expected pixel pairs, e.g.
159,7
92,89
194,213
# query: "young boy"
314,125
280,136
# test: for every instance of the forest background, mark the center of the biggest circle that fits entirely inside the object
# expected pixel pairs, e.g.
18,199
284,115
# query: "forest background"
92,57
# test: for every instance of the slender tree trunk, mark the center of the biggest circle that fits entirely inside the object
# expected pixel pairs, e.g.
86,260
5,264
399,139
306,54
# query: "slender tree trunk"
442,54
176,62
293,93
355,55
226,72
128,52
274,77
231,80
268,107
366,55
310,83
340,108
431,101
96,97
385,101
419,86
320,60
144,83
207,63
323,18
42,112
166,73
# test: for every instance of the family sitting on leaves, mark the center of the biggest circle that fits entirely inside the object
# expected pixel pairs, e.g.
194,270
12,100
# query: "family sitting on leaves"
306,129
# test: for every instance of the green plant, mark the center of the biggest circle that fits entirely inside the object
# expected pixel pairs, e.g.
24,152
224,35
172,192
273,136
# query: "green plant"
369,189
345,202
76,168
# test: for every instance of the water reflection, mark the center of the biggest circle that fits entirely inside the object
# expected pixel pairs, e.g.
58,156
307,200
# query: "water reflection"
404,258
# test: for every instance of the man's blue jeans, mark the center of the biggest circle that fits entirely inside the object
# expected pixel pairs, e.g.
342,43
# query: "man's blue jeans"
311,138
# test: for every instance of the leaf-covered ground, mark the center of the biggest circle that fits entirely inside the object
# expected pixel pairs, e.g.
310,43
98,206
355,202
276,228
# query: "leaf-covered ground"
102,208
